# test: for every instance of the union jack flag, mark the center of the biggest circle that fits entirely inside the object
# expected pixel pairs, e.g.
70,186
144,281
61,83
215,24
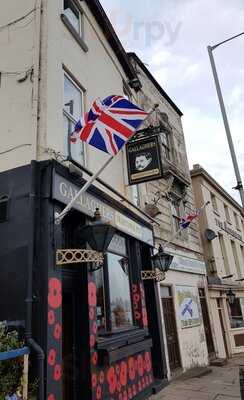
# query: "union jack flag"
109,124
188,219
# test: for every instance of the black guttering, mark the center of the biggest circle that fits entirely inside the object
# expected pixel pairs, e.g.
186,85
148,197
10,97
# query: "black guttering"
112,38
200,171
155,83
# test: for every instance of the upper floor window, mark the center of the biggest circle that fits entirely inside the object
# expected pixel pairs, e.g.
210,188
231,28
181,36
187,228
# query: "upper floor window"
214,202
165,144
237,221
227,213
72,111
73,14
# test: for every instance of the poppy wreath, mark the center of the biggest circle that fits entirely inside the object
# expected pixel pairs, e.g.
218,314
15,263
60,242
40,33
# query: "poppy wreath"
131,367
57,373
57,331
140,365
123,373
51,317
99,392
55,293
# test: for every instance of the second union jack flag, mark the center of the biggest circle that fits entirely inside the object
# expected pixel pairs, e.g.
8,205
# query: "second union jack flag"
109,124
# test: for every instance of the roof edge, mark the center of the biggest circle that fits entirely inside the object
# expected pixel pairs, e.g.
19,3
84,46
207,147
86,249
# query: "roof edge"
198,170
155,82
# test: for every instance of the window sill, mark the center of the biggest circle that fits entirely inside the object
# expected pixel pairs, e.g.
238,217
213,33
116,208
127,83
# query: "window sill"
112,349
216,212
73,32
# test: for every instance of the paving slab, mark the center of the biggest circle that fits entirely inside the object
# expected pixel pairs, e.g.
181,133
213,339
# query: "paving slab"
221,384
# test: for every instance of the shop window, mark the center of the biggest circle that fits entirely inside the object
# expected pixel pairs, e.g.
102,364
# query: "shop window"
72,13
164,135
114,306
214,202
236,313
165,292
72,111
227,213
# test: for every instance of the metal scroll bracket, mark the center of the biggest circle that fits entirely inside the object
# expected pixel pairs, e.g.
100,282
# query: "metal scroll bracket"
156,275
77,256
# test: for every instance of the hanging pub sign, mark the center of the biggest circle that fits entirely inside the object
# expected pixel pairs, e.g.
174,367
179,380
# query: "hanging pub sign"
143,160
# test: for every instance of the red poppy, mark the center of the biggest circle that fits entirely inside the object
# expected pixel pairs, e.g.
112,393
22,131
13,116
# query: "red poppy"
57,331
55,293
99,393
91,313
52,357
51,317
94,328
123,373
136,297
148,362
51,397
92,294
94,380
134,288
140,365
144,317
112,380
94,358
92,341
131,365
101,377
57,372
137,315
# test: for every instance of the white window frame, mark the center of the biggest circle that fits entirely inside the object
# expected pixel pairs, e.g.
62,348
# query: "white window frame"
81,28
69,116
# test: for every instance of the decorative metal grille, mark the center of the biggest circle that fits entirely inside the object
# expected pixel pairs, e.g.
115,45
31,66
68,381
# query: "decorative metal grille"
76,256
153,275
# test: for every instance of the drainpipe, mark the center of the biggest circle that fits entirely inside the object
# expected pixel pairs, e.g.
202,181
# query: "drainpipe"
29,300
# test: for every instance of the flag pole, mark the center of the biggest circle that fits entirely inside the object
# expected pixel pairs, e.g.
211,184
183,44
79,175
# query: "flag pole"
59,217
181,229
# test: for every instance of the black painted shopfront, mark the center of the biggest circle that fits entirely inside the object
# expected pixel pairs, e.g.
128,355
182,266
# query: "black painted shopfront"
100,329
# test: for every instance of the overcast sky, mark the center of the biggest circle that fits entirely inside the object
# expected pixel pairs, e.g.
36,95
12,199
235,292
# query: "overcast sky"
171,37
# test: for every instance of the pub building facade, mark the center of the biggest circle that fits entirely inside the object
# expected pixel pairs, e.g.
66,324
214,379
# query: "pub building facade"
183,294
92,331
222,233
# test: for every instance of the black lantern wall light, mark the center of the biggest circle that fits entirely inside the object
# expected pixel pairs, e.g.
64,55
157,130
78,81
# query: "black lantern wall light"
161,262
230,296
98,235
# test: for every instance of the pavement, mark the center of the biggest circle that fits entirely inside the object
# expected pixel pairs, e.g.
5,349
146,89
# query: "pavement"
221,384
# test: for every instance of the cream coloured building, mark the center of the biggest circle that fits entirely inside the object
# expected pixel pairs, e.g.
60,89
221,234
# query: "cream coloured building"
168,199
224,256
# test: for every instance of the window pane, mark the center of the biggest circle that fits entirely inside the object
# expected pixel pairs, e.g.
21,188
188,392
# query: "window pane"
236,317
72,99
73,14
101,320
119,286
76,150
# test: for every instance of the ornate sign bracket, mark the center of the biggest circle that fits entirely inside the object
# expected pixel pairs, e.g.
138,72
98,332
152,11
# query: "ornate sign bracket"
157,275
77,256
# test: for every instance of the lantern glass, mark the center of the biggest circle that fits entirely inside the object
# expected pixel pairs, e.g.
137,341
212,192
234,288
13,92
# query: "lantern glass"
162,260
231,296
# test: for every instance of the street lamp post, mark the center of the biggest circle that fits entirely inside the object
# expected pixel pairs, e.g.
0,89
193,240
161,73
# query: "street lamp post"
239,185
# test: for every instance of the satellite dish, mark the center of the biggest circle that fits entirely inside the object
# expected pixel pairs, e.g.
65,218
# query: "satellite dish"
210,234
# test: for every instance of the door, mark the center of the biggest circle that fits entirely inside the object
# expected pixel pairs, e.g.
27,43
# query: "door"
170,327
220,311
206,322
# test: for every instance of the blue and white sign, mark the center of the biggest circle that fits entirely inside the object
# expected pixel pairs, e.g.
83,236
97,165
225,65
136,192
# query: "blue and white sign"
188,302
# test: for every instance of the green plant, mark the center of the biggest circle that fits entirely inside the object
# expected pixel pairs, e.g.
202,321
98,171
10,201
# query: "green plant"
10,370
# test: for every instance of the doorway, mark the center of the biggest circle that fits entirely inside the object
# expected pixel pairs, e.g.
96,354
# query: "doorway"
221,318
206,323
170,327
